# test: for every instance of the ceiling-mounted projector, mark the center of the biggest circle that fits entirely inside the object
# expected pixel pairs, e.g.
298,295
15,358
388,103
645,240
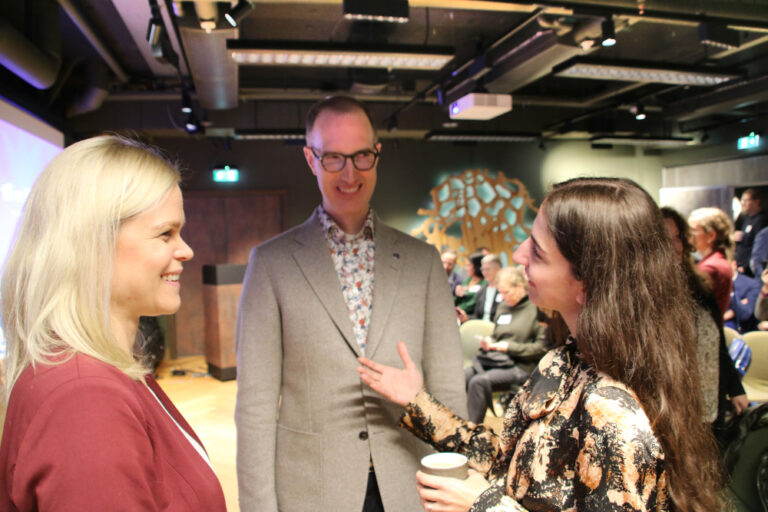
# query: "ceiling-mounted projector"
480,106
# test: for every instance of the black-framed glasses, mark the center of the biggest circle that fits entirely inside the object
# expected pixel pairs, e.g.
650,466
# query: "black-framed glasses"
363,160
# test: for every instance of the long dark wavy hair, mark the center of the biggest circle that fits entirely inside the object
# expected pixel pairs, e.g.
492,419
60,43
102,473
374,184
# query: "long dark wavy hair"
698,284
636,324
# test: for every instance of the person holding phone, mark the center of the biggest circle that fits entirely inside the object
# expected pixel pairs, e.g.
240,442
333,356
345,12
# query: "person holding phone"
511,353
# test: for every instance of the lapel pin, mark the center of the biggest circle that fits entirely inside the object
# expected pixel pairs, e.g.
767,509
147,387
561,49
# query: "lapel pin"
396,255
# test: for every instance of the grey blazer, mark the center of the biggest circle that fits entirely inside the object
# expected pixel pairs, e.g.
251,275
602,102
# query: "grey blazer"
307,426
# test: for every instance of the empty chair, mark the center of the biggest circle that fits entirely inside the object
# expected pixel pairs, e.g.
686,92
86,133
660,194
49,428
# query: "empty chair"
755,381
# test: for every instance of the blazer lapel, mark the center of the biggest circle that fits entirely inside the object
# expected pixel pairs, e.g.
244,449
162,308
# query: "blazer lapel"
386,274
314,259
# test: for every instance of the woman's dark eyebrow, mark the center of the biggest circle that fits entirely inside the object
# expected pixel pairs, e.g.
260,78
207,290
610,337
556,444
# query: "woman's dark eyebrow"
536,244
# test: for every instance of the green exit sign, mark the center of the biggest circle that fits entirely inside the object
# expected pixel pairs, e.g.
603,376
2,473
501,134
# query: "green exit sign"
751,141
226,175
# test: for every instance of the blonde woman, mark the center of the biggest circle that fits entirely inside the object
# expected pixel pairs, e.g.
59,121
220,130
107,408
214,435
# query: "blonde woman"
711,235
87,427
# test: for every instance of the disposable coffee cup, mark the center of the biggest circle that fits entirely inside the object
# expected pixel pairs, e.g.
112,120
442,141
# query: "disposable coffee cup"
454,465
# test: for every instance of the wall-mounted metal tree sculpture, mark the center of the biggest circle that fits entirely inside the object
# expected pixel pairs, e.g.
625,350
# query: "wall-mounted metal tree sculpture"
488,212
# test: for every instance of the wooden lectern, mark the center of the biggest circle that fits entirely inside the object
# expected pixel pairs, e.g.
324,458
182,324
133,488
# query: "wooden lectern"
222,285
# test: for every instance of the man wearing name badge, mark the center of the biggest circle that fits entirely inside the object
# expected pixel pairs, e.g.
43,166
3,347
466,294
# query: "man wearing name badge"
488,297
511,353
343,284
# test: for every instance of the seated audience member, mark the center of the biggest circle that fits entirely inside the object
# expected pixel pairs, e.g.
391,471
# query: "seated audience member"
759,256
448,258
87,427
465,295
751,221
511,353
607,421
741,311
488,297
761,306
711,236
720,382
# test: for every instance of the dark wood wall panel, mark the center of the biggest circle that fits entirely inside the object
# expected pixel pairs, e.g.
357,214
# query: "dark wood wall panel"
221,227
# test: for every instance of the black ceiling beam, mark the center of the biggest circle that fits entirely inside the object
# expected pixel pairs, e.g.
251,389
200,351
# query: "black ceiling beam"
726,97
677,11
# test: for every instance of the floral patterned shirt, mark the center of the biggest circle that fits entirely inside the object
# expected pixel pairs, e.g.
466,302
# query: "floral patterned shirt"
573,439
353,257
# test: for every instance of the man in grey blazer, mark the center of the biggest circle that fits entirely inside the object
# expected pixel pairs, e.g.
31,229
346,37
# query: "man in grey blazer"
310,435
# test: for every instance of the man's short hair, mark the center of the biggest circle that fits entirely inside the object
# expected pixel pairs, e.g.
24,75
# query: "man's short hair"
338,104
492,258
754,194
450,251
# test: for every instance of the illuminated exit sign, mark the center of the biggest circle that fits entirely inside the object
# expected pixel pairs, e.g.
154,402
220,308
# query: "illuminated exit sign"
226,175
751,141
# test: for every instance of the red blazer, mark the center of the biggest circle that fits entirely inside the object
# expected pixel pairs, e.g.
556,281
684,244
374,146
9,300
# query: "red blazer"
83,436
716,266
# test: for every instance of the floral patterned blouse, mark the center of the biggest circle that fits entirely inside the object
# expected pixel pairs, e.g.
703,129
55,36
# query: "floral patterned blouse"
573,439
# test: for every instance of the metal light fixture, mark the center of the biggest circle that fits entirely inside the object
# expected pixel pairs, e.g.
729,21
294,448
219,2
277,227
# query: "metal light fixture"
633,71
329,54
609,32
392,11
258,134
238,13
451,136
666,142
639,112
718,36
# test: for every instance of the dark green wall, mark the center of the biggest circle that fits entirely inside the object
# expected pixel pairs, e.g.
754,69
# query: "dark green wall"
409,169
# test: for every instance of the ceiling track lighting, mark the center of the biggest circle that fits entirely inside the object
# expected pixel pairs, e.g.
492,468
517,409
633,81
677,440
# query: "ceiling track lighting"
718,36
237,14
259,134
339,55
639,112
642,71
452,136
609,32
652,142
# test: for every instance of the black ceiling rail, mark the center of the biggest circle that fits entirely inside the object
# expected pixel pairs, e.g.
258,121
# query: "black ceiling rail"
594,8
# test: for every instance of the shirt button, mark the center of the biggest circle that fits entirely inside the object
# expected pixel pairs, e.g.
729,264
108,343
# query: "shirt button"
363,435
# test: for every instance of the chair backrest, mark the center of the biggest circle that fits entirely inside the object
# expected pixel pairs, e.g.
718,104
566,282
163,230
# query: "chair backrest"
758,368
730,335
469,343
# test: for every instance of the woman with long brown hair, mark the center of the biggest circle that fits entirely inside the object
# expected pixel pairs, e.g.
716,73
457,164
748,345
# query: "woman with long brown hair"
608,420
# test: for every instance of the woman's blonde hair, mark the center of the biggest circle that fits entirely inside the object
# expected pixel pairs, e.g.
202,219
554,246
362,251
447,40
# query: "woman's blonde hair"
714,220
57,278
512,276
